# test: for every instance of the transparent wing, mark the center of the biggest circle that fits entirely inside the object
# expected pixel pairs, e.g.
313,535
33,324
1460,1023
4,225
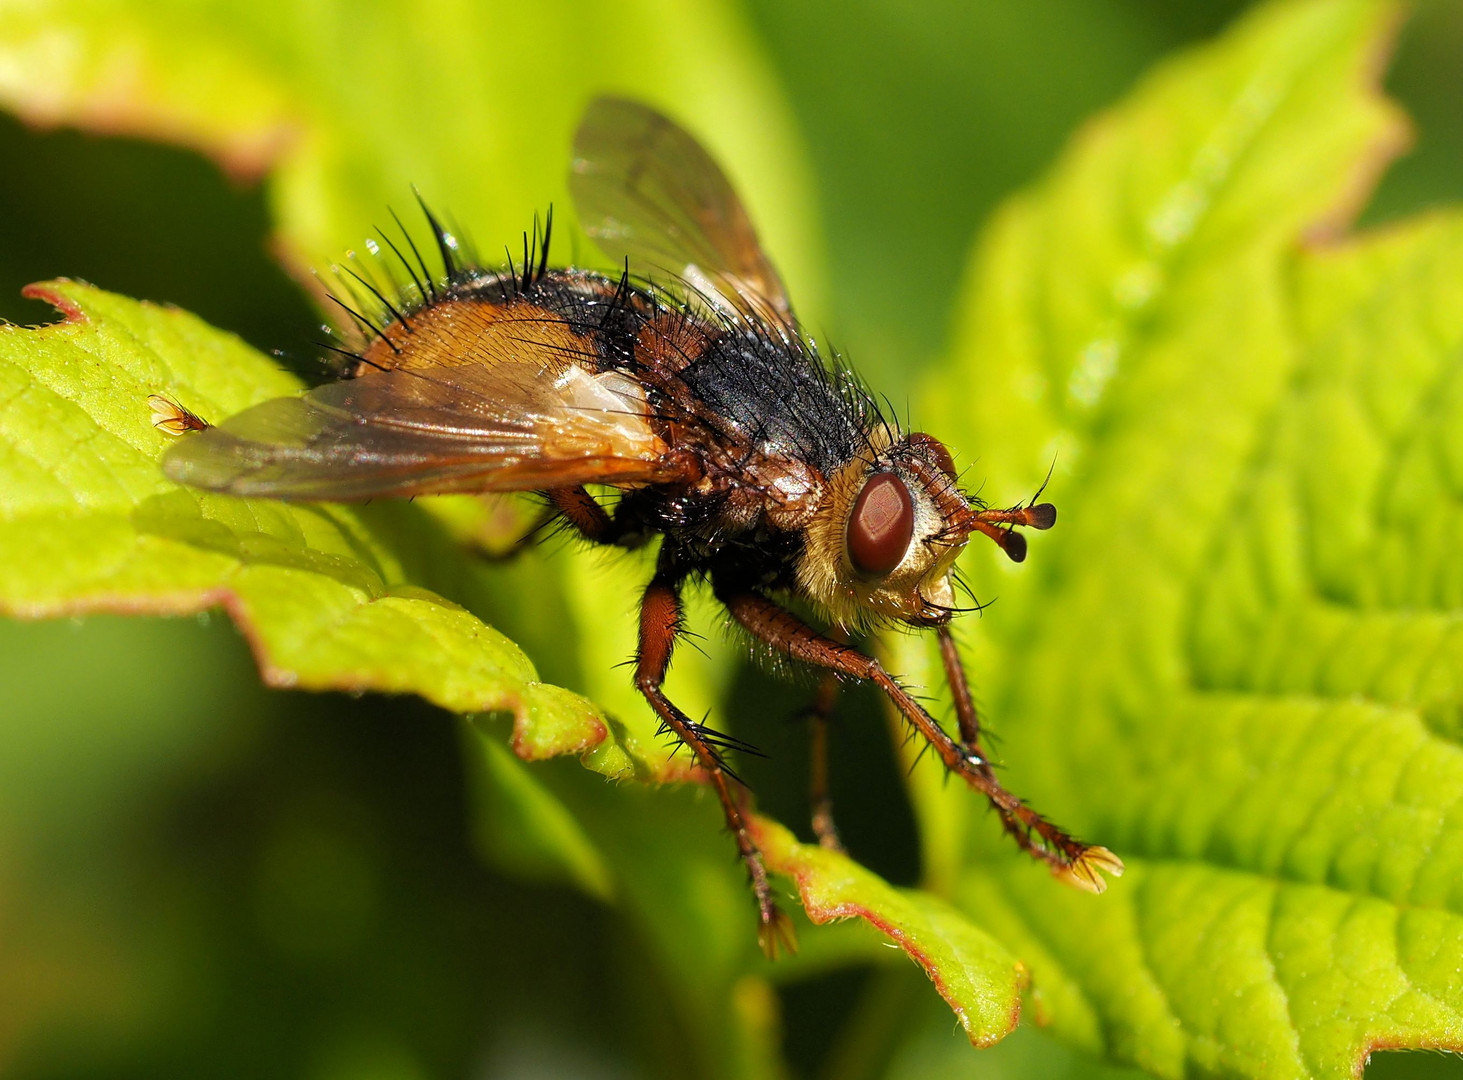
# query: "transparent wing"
512,412
648,192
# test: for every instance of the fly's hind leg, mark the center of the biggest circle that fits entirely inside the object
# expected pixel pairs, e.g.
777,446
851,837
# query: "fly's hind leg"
584,514
660,623
575,506
579,511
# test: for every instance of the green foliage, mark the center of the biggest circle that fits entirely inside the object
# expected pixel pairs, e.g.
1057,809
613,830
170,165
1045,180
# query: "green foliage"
90,525
346,105
1235,661
329,597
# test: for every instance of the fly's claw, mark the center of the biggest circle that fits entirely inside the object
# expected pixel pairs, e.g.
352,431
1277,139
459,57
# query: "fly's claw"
776,934
170,417
1086,870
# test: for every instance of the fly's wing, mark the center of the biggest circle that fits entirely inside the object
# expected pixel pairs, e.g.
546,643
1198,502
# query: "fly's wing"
648,192
506,408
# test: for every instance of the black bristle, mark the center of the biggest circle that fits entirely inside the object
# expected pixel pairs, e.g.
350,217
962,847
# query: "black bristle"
530,255
443,238
431,288
351,355
365,322
411,272
543,262
465,252
390,307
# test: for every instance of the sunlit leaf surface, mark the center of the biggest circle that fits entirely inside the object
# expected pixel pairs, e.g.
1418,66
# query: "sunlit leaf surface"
1237,659
332,598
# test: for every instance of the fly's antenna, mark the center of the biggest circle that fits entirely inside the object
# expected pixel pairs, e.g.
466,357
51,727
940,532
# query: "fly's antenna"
1000,525
1049,470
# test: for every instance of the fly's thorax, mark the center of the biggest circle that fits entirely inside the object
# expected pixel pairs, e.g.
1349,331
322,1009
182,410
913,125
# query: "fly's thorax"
765,490
780,488
886,535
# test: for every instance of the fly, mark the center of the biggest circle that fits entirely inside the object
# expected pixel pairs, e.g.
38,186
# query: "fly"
687,384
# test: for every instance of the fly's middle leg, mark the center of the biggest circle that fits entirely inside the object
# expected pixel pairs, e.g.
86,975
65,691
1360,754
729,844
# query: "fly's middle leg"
660,623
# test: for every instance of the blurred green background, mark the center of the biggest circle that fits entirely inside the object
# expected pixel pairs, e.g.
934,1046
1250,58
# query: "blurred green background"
198,877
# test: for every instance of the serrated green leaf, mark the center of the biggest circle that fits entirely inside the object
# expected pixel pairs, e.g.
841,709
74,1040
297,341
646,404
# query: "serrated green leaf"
979,979
1236,659
344,129
326,594
328,598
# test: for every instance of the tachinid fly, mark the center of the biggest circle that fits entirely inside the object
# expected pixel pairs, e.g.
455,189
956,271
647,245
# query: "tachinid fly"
686,384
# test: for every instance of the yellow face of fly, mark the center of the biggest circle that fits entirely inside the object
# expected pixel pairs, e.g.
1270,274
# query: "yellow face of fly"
885,538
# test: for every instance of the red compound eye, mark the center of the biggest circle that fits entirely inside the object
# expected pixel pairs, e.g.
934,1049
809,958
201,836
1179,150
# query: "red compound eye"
935,450
881,525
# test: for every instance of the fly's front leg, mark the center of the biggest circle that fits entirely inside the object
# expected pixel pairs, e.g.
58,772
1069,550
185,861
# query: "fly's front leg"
660,623
969,721
960,690
1078,863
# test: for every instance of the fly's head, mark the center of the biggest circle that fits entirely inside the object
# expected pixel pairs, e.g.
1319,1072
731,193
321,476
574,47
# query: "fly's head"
885,538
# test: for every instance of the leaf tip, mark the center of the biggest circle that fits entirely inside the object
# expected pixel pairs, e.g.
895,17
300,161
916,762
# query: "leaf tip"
55,292
1394,132
549,721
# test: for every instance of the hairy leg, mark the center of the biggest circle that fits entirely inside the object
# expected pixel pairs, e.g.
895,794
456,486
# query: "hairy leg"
579,510
1080,864
584,514
660,623
960,691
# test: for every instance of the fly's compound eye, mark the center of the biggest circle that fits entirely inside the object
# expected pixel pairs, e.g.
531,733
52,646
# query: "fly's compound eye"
935,451
881,525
